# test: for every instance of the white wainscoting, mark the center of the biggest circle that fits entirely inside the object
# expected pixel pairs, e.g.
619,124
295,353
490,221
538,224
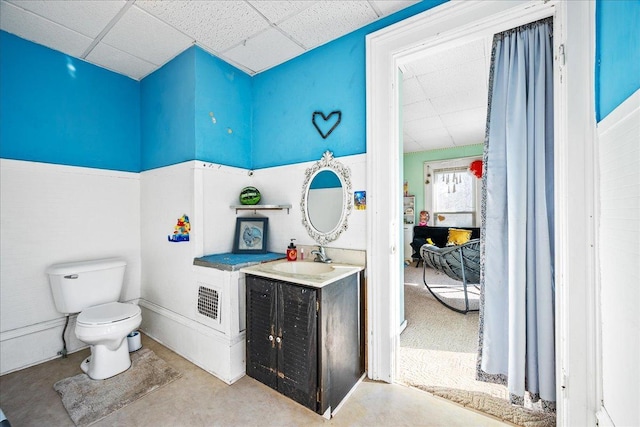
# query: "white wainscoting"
200,344
619,252
166,194
51,214
205,191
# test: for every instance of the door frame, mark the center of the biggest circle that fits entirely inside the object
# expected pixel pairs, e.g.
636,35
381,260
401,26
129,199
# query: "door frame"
439,28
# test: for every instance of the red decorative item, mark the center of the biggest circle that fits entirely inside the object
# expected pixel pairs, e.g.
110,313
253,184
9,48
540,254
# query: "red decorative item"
476,168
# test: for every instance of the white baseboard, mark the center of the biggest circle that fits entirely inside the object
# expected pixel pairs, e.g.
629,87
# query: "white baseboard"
222,356
31,345
213,351
34,344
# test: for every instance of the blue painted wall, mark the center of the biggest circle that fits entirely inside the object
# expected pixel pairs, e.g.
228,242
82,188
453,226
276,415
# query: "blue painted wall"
222,112
329,78
617,53
87,116
167,111
196,107
58,109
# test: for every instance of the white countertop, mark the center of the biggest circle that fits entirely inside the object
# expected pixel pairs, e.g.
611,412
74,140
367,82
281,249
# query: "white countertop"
267,270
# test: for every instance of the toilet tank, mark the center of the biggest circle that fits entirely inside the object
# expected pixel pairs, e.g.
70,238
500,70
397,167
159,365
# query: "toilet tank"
78,285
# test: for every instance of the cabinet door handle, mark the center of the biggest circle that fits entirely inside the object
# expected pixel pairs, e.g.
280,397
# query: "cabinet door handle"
273,343
278,340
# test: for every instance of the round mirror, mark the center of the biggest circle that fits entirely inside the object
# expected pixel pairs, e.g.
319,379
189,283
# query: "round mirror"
326,199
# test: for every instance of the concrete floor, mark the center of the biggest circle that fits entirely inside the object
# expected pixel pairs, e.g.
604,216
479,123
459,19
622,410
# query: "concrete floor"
200,399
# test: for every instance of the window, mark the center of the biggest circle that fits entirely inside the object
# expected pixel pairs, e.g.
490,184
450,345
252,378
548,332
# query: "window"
451,194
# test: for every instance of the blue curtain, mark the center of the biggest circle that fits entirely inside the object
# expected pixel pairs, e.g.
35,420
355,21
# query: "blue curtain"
517,343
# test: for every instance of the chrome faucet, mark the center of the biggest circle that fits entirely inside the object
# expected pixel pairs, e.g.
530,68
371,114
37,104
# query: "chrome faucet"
321,256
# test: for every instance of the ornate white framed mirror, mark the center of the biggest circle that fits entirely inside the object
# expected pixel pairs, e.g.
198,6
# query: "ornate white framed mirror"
326,199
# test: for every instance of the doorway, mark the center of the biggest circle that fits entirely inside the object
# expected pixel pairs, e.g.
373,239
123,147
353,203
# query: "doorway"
456,22
444,108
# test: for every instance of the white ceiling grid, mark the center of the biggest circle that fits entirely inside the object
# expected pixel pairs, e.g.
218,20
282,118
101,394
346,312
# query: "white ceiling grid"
252,35
445,98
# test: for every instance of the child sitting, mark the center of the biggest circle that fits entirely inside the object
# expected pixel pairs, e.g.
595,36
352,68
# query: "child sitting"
424,218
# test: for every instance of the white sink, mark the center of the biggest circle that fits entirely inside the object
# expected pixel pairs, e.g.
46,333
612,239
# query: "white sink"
309,268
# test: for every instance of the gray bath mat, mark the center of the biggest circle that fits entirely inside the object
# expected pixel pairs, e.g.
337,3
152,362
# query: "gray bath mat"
88,401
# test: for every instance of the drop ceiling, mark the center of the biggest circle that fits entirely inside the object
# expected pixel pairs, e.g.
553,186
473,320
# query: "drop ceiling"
136,37
445,93
444,100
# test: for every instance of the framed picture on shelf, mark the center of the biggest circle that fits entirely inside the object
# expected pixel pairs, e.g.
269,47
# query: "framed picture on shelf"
251,236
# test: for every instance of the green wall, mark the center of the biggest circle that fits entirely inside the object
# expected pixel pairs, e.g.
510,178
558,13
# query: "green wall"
413,166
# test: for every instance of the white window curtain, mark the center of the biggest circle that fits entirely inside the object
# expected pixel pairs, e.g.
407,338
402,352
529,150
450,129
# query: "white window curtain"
516,346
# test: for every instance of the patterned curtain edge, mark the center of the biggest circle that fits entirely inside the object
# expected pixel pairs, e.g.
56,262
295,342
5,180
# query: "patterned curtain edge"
481,375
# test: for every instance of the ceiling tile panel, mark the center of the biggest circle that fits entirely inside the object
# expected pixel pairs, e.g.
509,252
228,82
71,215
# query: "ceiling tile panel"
460,101
417,128
437,144
256,53
473,115
412,91
327,20
146,37
277,11
467,135
217,25
387,7
461,78
410,145
407,136
86,17
449,58
418,110
434,138
407,72
121,62
32,27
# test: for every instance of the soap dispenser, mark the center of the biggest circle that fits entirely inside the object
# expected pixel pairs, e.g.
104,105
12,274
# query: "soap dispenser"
292,252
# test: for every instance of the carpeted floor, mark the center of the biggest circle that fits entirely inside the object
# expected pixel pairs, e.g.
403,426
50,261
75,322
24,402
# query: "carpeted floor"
439,346
88,401
438,351
447,289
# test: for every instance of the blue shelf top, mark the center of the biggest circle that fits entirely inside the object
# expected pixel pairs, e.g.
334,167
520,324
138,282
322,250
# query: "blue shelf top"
233,262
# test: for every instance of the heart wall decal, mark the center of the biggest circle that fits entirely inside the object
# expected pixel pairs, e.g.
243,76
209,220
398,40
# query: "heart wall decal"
326,122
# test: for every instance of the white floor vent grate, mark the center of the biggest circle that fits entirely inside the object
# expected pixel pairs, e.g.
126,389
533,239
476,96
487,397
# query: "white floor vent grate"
208,303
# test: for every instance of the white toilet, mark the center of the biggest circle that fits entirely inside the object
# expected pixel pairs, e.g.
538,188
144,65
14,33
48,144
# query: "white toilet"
92,288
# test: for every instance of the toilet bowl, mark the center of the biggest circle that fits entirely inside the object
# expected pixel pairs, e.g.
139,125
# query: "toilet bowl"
92,289
105,328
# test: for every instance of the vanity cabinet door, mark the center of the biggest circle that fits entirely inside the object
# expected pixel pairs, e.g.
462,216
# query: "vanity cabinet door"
298,350
282,338
261,331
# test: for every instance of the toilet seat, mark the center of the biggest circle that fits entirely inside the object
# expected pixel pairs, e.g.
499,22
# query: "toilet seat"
105,314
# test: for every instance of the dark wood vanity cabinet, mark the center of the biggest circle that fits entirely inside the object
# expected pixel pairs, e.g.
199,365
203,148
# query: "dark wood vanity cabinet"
282,338
304,341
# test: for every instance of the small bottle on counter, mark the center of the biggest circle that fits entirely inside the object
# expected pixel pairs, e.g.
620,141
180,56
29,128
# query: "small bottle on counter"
301,254
292,252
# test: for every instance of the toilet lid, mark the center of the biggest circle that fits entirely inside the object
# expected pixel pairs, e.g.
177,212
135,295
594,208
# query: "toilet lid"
107,313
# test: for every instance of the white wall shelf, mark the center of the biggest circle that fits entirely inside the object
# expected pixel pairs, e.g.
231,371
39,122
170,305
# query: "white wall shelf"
256,208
